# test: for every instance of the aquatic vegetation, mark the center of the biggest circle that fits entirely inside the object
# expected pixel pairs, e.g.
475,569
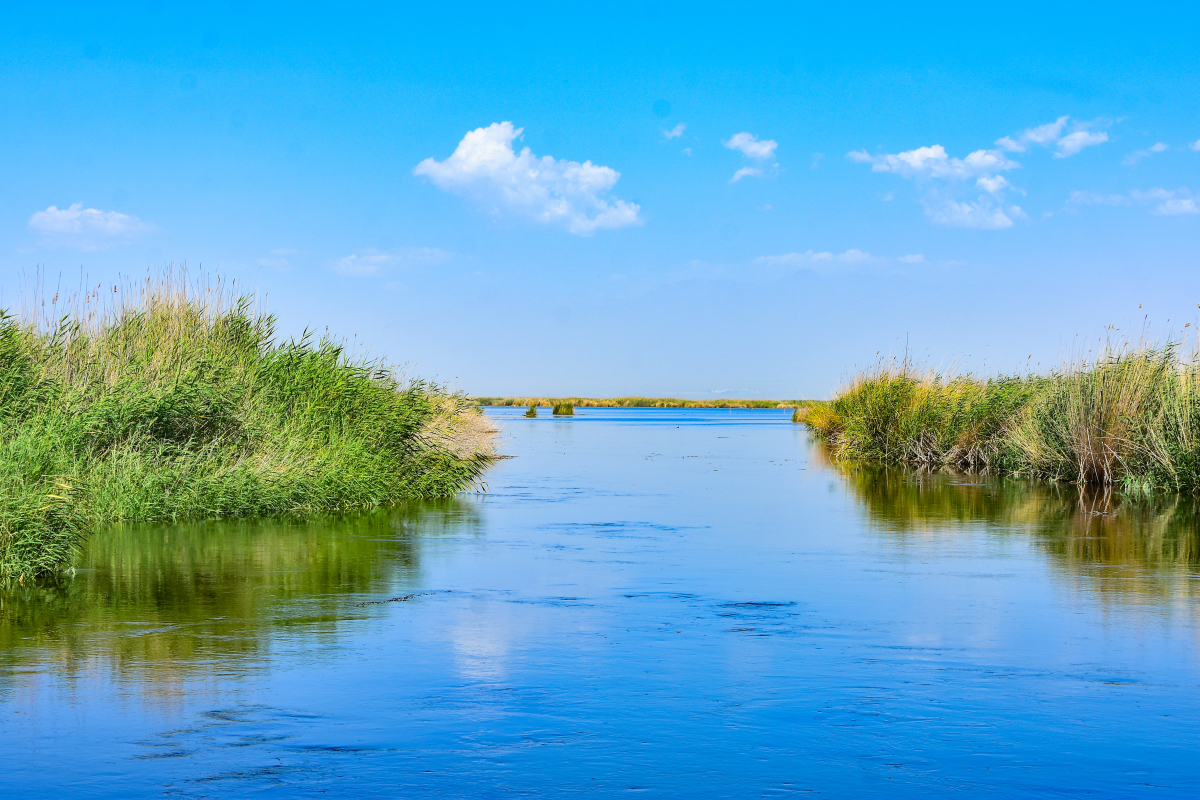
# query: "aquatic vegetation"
532,412
166,402
563,409
1123,543
231,580
1129,417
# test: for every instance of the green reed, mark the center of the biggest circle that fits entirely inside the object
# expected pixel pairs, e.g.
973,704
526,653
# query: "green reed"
166,402
1129,417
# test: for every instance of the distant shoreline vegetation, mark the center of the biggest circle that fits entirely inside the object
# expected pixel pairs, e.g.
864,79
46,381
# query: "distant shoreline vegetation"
1128,418
167,401
635,402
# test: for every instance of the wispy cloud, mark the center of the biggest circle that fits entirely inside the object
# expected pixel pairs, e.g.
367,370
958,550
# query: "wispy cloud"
751,146
1042,135
1194,146
746,172
559,193
1136,156
377,262
86,228
759,150
811,258
1082,134
277,260
675,132
1073,143
934,162
823,262
942,181
1168,202
971,192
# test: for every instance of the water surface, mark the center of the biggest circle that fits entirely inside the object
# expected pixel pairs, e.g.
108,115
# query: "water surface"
675,603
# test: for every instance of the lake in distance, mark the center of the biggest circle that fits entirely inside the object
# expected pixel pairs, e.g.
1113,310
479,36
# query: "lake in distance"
650,602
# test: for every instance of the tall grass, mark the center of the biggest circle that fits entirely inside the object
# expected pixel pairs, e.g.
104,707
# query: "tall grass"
164,401
563,409
1129,417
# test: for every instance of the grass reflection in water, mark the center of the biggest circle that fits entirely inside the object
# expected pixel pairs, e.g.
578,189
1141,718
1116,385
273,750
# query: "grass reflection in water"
158,600
1132,548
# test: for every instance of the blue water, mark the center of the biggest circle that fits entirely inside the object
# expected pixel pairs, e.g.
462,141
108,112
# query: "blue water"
673,603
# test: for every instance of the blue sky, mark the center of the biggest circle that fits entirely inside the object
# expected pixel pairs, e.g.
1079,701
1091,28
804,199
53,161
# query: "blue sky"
747,201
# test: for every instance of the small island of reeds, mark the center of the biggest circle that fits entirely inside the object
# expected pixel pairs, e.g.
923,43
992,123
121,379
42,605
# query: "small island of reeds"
1129,417
634,402
167,401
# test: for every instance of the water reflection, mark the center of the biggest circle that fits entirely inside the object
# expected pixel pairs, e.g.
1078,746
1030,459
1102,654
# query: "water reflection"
170,600
1142,549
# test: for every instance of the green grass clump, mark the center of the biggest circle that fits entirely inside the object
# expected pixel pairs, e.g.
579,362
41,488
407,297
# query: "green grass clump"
172,405
563,409
1130,417
532,412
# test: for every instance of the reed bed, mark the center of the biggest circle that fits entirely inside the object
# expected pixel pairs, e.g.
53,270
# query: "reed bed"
563,409
1129,417
164,401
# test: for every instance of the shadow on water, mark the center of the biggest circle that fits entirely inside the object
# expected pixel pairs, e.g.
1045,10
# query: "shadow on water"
204,596
1128,548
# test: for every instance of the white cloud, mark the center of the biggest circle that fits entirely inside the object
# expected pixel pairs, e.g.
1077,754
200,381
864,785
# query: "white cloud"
1072,143
933,162
981,213
810,258
994,184
1195,146
915,258
760,150
1041,135
86,228
1183,205
1079,198
751,146
1168,202
746,172
675,132
376,262
1052,134
941,181
1133,158
485,169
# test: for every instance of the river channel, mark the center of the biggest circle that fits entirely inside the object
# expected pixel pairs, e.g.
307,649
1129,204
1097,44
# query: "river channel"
673,603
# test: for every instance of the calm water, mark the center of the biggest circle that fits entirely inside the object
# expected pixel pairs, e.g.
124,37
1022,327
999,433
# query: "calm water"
676,603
